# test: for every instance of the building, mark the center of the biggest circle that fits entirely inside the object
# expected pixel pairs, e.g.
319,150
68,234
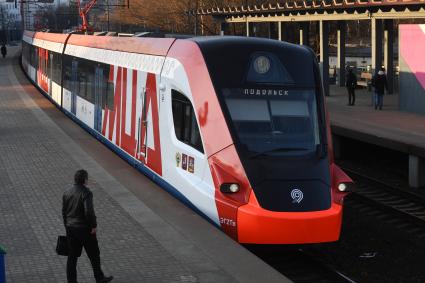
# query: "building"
10,21
34,12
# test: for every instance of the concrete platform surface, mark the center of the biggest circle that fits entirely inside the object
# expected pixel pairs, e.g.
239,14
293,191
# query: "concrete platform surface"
145,235
389,127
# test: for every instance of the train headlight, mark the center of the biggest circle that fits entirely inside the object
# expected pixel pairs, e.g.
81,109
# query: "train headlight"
229,188
346,187
342,187
234,188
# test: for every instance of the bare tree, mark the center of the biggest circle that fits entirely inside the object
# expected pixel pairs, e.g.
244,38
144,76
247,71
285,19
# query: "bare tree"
170,15
59,19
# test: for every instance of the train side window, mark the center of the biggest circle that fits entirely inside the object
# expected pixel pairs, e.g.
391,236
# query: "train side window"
34,56
81,78
110,95
57,71
108,89
185,124
67,69
86,78
90,83
45,61
25,50
41,60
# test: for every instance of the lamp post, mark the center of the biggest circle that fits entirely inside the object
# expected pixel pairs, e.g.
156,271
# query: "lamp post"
196,18
107,14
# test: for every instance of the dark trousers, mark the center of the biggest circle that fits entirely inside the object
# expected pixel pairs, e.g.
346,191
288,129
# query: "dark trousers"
351,95
77,239
379,100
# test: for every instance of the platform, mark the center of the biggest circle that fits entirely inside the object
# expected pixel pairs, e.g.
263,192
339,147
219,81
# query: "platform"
145,235
389,127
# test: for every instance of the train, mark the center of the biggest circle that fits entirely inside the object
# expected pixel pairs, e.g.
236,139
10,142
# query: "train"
234,127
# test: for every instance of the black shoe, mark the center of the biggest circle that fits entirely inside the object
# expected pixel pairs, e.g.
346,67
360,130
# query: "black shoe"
106,279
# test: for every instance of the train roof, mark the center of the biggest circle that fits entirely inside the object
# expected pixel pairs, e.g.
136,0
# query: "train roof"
151,46
218,42
154,45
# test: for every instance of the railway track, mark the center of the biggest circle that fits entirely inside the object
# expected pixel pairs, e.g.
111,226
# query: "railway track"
300,264
408,207
400,208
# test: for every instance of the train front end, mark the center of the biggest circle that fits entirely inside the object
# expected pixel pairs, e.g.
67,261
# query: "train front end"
277,183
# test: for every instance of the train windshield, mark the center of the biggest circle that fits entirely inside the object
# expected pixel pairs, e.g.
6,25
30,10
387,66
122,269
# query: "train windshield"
274,121
270,94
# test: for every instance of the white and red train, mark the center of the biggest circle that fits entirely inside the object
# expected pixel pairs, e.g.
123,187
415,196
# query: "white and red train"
234,127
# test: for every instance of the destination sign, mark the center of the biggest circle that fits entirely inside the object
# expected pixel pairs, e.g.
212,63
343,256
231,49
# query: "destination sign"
265,92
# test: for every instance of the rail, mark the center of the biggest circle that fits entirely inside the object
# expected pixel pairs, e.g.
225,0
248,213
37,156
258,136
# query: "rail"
405,204
300,264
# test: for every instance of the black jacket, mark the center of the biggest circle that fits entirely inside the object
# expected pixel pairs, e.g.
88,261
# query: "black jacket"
380,83
77,208
351,80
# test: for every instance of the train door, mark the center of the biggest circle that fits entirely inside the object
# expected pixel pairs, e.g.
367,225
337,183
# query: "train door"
186,140
98,93
35,61
142,126
74,86
148,141
50,72
185,161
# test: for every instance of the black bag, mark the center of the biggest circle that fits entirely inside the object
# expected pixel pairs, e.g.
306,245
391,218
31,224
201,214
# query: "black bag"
62,246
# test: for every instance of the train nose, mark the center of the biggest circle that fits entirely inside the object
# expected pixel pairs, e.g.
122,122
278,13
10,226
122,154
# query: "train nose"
261,226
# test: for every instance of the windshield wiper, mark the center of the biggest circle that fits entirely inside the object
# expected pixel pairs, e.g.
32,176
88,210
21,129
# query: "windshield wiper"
284,149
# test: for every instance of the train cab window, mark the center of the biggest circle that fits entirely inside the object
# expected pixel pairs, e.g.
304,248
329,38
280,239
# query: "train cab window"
185,124
279,124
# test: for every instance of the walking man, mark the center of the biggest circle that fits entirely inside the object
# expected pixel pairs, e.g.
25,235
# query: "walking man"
379,81
351,84
80,224
3,50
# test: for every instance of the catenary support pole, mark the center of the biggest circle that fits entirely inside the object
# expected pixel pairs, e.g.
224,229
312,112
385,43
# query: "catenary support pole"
305,33
324,54
279,31
222,28
341,32
389,53
376,39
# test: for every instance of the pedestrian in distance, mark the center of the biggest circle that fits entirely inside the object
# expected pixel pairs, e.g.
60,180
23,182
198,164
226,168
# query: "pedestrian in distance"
351,84
80,223
3,50
379,82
